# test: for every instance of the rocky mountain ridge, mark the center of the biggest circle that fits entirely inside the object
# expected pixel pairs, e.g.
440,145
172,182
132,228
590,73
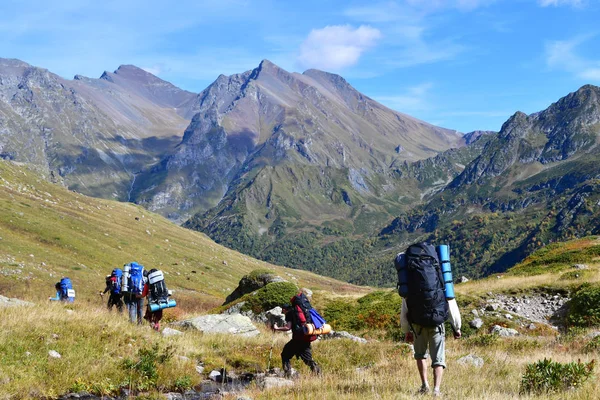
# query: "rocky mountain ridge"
270,117
92,134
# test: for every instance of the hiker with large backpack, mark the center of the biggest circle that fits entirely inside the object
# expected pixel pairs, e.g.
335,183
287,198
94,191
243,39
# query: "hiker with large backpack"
297,317
132,286
113,286
428,301
64,291
157,293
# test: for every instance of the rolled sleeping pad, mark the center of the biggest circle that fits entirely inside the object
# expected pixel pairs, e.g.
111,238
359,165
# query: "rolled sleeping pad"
125,278
162,305
443,252
400,264
309,329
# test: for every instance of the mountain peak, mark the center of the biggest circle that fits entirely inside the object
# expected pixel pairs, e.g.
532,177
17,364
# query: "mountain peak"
268,67
129,71
267,64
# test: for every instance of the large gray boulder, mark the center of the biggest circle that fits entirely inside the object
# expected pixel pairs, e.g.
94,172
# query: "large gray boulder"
504,332
344,335
8,302
271,382
476,323
275,316
471,360
234,324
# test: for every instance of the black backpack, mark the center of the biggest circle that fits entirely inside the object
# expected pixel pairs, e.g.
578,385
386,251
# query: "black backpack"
426,301
301,315
158,289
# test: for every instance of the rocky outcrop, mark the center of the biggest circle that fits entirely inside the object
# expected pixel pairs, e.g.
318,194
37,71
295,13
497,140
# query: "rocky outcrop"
11,302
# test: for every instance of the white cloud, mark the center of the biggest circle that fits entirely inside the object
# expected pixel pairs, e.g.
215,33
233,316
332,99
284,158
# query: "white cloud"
156,70
409,29
336,47
562,55
593,74
557,3
412,99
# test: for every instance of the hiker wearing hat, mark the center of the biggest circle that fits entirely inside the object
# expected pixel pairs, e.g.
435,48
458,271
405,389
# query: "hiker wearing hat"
300,344
425,308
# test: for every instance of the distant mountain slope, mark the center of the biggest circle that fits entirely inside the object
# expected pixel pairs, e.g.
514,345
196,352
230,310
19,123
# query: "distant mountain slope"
47,232
534,183
94,134
270,117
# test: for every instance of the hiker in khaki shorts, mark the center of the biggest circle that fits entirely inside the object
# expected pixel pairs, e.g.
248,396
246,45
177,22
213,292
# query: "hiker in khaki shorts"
433,338
425,309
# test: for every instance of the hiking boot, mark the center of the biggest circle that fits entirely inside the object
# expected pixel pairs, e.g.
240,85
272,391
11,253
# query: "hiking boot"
437,393
424,389
287,369
316,369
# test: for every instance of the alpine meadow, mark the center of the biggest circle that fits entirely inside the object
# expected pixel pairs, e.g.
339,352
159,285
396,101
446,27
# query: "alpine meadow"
317,200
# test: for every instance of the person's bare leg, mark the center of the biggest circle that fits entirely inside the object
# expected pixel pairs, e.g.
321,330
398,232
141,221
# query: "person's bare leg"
438,372
422,366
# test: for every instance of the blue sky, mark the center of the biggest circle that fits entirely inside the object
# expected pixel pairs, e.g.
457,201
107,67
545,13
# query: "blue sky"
460,64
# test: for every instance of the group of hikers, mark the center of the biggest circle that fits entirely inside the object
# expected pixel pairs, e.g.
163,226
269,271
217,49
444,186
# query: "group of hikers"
129,286
424,282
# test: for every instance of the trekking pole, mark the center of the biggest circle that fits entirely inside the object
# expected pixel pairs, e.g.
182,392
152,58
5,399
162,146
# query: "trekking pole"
271,352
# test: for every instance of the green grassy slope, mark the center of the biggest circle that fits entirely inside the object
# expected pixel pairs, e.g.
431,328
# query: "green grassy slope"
48,232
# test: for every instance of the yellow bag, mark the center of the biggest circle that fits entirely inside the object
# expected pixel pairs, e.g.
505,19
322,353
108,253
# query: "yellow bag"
309,329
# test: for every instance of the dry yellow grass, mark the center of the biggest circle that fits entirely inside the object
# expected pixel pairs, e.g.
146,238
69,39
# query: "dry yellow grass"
94,343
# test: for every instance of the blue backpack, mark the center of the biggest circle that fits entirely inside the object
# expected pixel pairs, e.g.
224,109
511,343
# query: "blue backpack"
136,278
317,320
66,290
117,273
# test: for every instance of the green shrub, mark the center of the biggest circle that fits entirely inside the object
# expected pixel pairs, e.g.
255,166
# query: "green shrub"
546,376
377,311
257,273
585,306
143,373
183,383
485,340
573,275
272,295
593,346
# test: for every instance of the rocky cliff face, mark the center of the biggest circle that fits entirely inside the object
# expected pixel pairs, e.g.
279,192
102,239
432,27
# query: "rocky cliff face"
568,127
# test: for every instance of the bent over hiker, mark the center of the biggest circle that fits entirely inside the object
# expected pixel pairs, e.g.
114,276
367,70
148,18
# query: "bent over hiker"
425,308
300,344
64,291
